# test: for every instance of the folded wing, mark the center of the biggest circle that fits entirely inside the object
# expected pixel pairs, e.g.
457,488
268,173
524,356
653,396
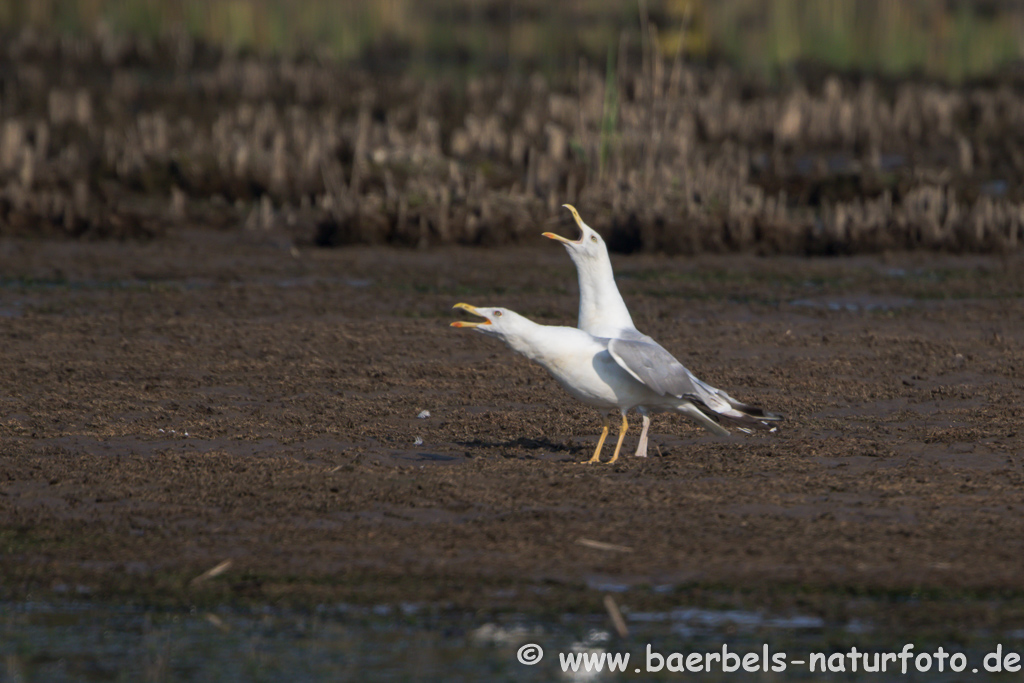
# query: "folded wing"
649,363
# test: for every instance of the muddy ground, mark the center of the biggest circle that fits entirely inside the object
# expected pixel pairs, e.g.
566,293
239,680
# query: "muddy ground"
167,406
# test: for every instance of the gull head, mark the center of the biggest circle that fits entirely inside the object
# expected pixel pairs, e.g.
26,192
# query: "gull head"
588,248
497,322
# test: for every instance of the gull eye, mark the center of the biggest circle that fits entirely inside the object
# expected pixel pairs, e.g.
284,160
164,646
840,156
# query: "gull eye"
497,314
593,238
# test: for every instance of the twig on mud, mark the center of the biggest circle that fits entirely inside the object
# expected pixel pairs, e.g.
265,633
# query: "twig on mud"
219,623
616,616
601,545
212,572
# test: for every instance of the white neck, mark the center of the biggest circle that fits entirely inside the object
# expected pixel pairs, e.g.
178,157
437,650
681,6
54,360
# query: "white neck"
547,344
602,310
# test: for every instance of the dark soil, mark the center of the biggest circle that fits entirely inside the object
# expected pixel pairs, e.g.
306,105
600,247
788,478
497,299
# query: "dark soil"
168,406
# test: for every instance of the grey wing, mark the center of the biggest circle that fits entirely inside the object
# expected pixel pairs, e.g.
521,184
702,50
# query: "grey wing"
633,334
653,366
650,364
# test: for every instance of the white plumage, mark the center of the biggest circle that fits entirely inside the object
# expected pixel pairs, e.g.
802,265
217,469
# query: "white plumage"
603,313
612,373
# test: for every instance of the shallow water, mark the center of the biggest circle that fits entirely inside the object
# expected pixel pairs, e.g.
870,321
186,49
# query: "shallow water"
75,641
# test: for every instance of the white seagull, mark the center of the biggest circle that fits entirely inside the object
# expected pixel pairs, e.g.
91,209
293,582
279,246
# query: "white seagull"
603,313
615,374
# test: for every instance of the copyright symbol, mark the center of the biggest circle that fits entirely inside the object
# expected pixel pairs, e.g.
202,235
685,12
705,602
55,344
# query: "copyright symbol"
530,654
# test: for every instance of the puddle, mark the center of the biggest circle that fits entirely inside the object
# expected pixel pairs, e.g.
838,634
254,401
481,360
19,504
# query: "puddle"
708,621
856,304
73,641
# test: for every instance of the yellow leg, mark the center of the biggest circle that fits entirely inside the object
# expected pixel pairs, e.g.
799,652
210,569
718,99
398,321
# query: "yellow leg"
622,435
600,442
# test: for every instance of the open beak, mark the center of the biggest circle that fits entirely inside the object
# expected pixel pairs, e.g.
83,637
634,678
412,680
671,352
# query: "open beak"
474,311
579,222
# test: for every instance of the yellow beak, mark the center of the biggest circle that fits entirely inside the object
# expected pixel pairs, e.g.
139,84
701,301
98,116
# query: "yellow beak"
469,309
553,236
579,221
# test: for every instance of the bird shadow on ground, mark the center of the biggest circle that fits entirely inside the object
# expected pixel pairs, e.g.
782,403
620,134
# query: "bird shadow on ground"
524,442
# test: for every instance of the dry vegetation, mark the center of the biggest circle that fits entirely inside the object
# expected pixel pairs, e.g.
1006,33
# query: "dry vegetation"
112,136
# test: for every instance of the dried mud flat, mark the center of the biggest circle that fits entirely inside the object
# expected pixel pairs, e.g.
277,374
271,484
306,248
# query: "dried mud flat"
171,405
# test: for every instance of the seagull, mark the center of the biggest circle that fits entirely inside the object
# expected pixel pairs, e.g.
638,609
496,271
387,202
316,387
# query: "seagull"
611,374
603,313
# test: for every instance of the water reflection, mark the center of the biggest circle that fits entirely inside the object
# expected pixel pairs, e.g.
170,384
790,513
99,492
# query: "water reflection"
72,641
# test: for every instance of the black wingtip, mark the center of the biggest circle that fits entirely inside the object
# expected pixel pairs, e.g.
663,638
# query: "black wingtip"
758,413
